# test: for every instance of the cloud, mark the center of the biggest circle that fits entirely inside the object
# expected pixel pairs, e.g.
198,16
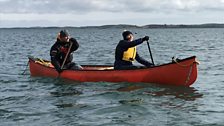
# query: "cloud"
87,6
100,12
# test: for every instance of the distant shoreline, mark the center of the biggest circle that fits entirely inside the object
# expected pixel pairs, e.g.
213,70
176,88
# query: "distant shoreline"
152,26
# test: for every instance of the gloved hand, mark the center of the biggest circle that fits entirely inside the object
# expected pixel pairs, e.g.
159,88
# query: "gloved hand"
146,38
59,70
75,45
72,40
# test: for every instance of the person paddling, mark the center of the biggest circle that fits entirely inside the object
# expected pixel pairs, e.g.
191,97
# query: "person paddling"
61,52
126,52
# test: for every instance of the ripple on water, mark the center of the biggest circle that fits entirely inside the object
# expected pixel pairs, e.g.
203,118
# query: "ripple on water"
26,100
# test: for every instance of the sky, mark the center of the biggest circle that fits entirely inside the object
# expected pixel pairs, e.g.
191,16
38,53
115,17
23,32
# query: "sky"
31,13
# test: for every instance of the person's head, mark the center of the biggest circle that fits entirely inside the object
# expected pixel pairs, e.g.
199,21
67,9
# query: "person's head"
127,35
63,36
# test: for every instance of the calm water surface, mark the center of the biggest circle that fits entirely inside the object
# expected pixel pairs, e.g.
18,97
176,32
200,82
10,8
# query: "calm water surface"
35,101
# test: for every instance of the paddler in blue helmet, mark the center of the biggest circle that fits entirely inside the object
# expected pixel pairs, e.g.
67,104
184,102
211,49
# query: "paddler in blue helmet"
61,52
126,52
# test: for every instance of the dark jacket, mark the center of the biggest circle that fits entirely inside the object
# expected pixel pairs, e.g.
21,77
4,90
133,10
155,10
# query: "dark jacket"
123,46
59,50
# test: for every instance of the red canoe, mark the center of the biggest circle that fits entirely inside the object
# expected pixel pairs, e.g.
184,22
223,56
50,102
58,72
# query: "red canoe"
181,73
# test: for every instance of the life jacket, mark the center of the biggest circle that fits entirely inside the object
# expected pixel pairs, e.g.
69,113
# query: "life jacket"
130,54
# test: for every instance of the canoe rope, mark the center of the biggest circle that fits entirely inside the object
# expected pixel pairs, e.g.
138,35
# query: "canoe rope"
189,74
42,62
23,73
190,71
187,65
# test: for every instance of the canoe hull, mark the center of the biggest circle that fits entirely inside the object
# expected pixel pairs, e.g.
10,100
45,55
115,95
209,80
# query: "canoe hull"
181,73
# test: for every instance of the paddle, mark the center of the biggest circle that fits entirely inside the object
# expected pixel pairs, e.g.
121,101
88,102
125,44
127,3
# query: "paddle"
65,58
150,52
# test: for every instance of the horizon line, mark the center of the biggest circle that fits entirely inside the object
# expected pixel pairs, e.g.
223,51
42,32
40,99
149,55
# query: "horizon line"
129,25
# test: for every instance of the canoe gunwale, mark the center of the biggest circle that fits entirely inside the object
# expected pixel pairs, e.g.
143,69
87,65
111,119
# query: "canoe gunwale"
32,59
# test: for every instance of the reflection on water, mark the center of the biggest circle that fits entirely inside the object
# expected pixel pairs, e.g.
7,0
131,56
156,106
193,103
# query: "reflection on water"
185,93
70,105
130,88
65,92
132,101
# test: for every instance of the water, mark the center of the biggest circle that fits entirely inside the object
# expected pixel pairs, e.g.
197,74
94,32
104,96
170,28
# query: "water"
26,100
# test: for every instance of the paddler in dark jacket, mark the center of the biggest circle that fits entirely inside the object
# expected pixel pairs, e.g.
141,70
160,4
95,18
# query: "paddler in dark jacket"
60,49
126,52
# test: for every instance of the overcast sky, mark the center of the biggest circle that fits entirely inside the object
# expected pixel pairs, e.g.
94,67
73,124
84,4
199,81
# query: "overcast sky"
26,13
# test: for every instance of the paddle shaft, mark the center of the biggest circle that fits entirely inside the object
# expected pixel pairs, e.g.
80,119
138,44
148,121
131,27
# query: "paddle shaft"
150,52
66,55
